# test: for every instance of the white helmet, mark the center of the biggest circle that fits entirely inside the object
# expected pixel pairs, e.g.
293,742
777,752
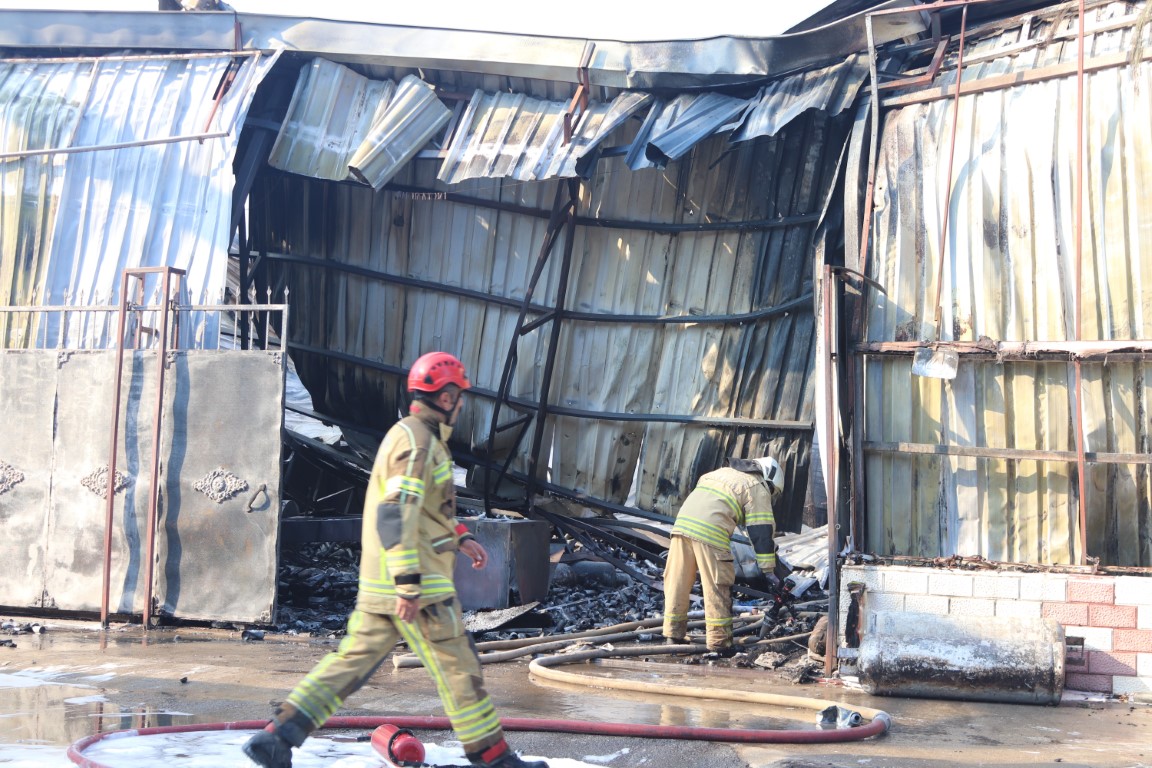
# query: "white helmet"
773,474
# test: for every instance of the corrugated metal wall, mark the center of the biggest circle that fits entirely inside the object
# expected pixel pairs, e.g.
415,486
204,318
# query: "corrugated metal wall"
116,162
759,369
1009,275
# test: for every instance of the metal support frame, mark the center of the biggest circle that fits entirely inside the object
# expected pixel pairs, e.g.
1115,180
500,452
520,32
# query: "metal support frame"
562,217
166,308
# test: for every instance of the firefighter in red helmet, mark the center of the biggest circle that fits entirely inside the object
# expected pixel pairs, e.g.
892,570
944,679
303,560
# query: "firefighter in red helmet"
409,542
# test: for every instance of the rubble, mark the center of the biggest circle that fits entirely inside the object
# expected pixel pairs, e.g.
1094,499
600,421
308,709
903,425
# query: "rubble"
318,591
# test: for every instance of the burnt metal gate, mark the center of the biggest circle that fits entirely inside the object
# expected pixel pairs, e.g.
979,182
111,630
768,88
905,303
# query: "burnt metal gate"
217,514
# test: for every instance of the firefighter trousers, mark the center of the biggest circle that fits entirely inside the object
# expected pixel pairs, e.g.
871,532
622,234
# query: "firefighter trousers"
437,637
686,558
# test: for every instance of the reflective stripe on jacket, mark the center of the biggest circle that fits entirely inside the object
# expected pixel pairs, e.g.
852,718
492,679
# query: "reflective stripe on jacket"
408,538
723,500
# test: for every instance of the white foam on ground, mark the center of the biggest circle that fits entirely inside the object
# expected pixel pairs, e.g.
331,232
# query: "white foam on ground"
222,749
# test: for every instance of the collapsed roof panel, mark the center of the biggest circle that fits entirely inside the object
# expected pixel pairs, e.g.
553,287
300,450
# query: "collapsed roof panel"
510,135
341,124
674,127
332,111
831,89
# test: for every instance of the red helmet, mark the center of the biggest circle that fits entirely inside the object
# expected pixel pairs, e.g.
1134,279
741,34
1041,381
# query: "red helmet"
433,371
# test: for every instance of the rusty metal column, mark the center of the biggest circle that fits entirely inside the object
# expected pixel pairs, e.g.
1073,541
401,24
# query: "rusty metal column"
1078,230
111,485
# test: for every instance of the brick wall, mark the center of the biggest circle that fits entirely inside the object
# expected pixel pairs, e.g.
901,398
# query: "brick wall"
1110,615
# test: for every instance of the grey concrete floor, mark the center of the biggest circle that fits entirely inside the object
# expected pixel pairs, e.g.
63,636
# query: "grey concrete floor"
180,676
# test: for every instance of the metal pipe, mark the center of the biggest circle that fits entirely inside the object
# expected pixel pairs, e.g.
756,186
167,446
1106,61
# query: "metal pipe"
1014,350
137,57
115,439
555,221
422,193
831,465
948,178
118,145
157,417
1078,233
799,426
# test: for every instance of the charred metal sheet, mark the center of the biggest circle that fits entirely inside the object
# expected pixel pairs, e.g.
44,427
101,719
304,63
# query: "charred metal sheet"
217,544
436,269
1007,274
513,135
674,127
830,89
118,161
503,134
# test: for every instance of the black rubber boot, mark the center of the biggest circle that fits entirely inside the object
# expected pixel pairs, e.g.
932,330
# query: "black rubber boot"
501,756
268,750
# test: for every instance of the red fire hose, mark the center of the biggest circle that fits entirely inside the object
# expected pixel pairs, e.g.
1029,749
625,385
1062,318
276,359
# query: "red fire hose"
879,723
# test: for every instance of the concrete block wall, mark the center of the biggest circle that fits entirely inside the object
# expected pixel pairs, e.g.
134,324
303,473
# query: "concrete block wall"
1110,615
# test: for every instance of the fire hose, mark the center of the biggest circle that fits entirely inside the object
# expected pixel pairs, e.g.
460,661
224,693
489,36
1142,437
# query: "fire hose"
880,723
545,667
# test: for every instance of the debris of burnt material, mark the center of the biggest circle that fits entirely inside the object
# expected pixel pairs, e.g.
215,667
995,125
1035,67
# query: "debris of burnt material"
596,582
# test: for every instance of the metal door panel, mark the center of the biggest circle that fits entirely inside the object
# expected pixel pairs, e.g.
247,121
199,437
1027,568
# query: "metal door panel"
217,556
74,545
25,472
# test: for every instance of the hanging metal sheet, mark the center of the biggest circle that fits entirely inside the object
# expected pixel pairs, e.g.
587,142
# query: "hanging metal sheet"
674,127
333,109
409,121
830,89
517,136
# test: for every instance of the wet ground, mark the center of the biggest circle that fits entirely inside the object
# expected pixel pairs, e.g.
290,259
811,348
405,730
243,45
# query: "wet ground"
74,680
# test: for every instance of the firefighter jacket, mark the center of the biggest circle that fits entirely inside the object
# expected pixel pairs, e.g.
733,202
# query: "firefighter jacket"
410,534
723,500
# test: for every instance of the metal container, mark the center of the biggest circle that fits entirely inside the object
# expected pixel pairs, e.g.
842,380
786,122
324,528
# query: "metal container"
982,658
517,561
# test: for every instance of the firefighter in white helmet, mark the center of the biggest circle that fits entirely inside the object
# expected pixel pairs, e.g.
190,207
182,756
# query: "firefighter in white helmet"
739,495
